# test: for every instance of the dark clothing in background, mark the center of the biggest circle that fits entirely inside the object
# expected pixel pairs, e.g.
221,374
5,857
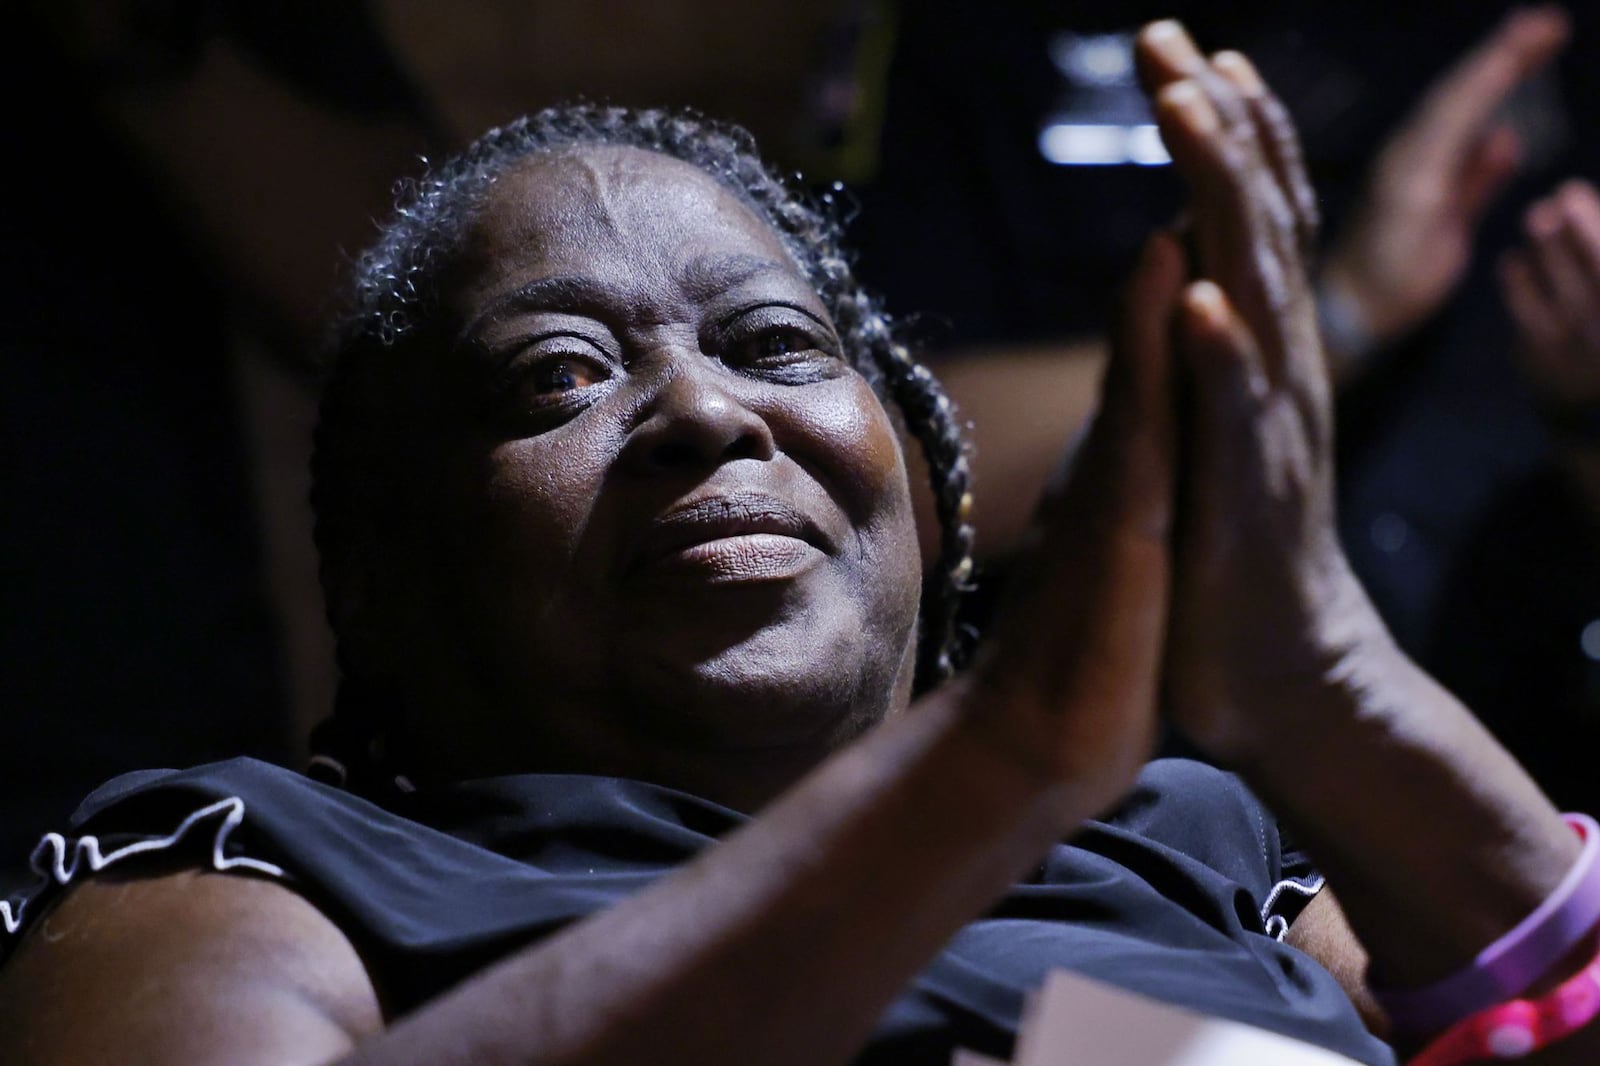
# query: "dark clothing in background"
138,625
1425,444
1172,896
1517,633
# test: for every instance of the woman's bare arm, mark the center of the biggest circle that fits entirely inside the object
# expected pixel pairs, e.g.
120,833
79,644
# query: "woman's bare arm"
785,942
189,967
1437,841
782,945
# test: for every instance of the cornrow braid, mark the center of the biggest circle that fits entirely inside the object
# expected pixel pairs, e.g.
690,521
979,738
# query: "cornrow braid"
930,417
393,310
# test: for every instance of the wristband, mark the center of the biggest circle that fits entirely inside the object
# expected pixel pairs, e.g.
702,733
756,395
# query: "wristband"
1344,326
1519,1028
1508,966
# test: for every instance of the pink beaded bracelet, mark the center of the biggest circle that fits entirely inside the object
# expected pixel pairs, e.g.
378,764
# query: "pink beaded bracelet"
1517,1029
1511,964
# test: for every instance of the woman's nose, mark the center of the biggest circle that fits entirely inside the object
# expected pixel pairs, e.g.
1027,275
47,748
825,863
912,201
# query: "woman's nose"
694,420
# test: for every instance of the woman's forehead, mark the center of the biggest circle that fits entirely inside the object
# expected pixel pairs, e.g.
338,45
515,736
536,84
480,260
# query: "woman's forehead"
652,230
617,198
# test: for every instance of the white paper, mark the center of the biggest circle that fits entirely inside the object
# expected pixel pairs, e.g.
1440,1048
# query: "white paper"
1076,1021
964,1057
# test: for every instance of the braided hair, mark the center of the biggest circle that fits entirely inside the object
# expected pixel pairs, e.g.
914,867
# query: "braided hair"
392,310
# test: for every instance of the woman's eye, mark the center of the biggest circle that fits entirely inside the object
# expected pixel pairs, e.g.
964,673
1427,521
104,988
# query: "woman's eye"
777,343
553,377
782,351
558,374
782,347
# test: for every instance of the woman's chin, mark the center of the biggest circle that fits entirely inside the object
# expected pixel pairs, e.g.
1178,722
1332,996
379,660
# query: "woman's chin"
786,683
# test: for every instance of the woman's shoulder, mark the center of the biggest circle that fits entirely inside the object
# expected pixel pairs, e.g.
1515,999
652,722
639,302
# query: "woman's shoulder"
426,888
253,782
250,967
147,814
241,816
144,885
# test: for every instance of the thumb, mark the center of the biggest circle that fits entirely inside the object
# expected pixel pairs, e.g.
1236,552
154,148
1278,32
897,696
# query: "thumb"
1095,538
1077,641
1132,439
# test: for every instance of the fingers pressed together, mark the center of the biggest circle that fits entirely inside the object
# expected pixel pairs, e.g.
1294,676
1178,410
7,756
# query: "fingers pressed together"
1250,311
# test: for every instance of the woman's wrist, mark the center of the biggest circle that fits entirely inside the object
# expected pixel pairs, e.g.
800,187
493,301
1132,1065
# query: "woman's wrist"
1531,952
1303,699
1018,741
1435,838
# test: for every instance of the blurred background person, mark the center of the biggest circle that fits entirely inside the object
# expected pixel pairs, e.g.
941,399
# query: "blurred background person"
1517,629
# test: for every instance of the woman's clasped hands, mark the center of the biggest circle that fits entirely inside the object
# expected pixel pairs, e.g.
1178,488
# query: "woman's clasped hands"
1189,563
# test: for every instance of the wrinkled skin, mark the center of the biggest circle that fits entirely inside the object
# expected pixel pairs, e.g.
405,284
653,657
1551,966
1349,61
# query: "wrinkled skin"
684,358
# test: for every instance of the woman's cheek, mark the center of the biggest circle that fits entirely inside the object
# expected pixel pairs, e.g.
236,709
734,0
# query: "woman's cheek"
517,509
859,444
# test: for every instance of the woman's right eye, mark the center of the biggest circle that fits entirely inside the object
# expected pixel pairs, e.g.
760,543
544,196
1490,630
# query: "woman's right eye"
562,373
545,374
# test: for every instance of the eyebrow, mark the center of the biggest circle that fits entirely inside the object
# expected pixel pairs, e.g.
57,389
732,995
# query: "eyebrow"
725,271
561,293
581,294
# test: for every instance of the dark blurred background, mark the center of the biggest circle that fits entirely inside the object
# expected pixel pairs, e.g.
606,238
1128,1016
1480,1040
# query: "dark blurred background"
184,180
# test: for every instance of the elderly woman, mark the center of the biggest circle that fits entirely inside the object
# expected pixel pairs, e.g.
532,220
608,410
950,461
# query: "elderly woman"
618,543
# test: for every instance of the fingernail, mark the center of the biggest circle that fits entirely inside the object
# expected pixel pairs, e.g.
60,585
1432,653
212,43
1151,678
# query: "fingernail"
1206,297
1163,31
1186,98
1237,68
1171,41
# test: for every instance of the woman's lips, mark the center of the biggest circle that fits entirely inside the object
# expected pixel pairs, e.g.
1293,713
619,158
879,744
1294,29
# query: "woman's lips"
744,557
734,538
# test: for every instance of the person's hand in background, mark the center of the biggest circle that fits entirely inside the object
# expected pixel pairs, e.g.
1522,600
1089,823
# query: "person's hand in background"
1409,240
1551,284
1552,288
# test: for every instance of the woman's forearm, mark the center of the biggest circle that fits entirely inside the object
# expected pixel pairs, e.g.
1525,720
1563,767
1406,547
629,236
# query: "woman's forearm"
1437,841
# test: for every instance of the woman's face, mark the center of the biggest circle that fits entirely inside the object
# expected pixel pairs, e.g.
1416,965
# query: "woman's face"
667,521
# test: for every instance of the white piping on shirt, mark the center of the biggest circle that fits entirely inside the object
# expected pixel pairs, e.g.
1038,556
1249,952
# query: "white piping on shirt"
1276,925
87,848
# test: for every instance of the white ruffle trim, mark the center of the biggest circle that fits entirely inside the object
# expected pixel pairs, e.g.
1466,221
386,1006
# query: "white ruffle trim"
52,860
1277,926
